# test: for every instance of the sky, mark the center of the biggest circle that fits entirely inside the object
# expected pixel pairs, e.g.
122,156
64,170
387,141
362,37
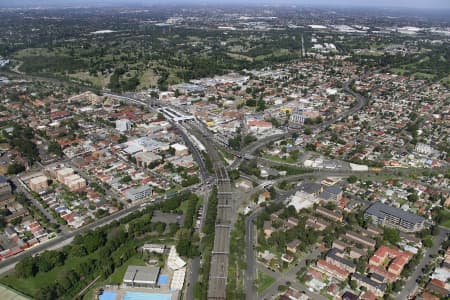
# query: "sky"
429,4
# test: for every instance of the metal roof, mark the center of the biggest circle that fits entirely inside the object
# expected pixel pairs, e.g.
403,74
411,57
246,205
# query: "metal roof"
379,210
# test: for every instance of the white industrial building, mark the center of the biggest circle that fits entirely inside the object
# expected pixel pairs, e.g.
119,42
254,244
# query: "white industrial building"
301,200
123,125
137,276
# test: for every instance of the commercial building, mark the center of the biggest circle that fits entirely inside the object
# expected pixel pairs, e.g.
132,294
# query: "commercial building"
331,193
156,248
423,149
143,144
123,125
68,177
75,182
301,200
138,193
38,184
62,173
180,150
259,127
145,159
137,276
297,118
386,215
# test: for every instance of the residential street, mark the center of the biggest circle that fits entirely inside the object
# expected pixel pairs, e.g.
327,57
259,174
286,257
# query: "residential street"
289,276
410,284
250,254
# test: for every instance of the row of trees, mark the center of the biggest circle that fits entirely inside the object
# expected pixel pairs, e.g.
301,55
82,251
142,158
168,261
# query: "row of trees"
201,286
100,252
187,239
20,138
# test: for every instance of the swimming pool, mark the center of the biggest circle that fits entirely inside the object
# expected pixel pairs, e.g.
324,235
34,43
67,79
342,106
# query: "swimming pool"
146,296
108,295
163,279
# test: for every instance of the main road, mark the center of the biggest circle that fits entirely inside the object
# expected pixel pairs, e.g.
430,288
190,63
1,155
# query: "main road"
250,149
63,238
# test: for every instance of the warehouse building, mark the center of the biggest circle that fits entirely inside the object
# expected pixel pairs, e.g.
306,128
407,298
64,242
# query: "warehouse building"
137,276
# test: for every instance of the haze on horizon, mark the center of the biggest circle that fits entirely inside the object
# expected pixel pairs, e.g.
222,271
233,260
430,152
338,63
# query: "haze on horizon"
430,4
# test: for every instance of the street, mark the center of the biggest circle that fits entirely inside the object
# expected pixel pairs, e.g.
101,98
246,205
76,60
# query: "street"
250,255
410,283
290,276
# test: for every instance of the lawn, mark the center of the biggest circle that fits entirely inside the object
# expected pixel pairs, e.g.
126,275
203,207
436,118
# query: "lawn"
289,160
263,282
446,223
29,286
399,71
100,81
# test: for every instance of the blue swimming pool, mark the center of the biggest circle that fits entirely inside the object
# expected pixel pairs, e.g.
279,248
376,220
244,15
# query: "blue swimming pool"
163,279
146,296
108,295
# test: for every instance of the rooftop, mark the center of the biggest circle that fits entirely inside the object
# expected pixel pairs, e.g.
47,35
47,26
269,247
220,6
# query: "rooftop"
138,274
379,210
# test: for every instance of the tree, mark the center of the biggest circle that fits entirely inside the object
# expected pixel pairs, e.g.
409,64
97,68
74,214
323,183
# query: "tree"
47,292
126,179
413,197
353,284
122,139
15,168
249,139
352,179
234,174
78,250
428,242
26,267
391,235
310,147
55,148
235,142
294,154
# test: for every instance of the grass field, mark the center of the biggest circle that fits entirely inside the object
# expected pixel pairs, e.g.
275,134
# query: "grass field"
30,286
263,282
34,52
399,71
278,159
148,79
100,81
